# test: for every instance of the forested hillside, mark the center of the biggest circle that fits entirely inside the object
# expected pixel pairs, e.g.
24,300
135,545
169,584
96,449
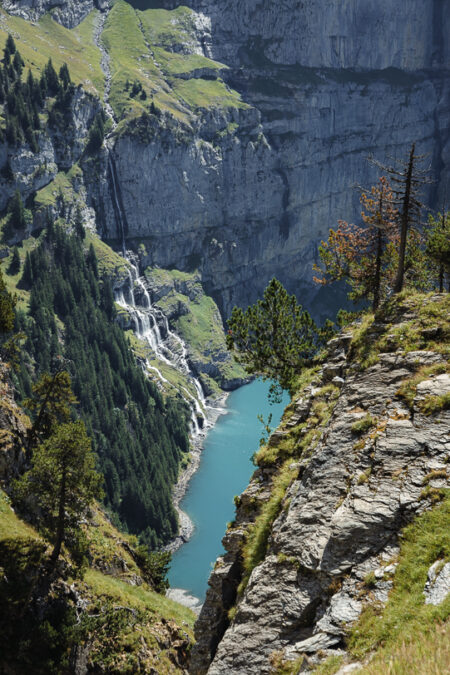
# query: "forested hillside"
66,299
139,438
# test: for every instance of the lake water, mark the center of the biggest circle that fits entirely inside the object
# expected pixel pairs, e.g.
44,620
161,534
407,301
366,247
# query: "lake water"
224,471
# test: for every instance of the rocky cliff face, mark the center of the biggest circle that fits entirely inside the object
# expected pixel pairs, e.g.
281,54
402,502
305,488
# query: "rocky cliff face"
328,86
359,454
59,149
14,425
244,189
69,13
318,34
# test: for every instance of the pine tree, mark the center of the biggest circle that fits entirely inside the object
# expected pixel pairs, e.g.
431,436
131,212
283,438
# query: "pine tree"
7,302
27,275
96,134
79,227
64,481
273,338
18,63
51,403
10,48
408,179
51,77
17,216
64,75
363,255
14,266
437,235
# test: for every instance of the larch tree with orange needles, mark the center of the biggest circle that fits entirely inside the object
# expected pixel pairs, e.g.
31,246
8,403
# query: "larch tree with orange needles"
361,254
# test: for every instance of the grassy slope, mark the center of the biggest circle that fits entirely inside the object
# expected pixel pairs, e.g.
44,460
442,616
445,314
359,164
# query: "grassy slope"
38,41
104,590
138,44
408,634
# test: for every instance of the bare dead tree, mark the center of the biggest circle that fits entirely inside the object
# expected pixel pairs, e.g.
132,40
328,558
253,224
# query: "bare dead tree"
408,178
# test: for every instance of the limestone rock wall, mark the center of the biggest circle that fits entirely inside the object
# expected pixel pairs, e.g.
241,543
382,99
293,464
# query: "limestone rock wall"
59,149
328,85
67,12
376,34
14,425
339,520
247,193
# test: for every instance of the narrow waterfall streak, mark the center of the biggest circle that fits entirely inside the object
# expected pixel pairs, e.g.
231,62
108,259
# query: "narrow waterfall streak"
118,208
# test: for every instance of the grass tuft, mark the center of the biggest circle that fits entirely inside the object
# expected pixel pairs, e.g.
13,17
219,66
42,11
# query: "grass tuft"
406,616
363,425
255,546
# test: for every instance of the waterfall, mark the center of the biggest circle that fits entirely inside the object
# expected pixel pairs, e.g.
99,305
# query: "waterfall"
151,324
116,201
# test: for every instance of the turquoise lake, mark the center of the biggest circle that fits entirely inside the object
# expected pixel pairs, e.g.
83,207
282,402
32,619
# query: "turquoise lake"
224,471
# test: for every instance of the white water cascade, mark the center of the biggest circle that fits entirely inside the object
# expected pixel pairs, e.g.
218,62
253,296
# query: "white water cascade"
151,325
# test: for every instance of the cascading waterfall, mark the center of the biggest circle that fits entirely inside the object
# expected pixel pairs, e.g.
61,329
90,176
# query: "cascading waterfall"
151,325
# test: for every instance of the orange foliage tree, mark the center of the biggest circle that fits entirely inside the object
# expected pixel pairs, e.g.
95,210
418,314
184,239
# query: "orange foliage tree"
363,255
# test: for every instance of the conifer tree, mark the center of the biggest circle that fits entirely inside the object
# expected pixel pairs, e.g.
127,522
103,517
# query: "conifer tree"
64,75
79,227
51,402
273,338
9,49
408,179
17,217
51,78
18,63
96,134
27,275
63,479
14,266
437,235
363,255
7,302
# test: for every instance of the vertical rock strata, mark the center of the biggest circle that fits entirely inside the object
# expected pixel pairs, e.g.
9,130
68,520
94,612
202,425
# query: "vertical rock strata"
340,518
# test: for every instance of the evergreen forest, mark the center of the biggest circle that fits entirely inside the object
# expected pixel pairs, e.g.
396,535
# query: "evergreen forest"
138,436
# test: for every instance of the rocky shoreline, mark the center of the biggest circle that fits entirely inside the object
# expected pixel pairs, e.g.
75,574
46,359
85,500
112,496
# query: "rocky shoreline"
186,529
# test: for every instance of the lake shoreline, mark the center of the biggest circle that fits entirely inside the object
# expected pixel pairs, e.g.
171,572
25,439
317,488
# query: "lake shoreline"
224,471
186,526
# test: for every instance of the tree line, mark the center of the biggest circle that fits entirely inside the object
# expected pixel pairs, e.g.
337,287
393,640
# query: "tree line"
24,100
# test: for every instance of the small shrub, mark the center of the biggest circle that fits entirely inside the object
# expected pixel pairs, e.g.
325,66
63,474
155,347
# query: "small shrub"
434,475
435,495
232,613
408,388
370,580
364,476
